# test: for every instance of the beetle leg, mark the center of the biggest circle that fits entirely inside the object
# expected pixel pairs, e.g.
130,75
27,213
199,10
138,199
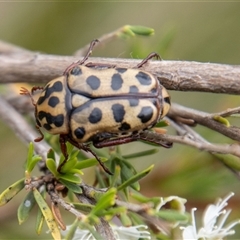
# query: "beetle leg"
80,62
114,142
87,149
24,91
154,137
62,141
89,52
99,65
41,137
128,139
150,56
35,88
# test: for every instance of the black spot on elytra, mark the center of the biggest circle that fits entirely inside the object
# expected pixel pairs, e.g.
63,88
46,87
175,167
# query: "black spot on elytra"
118,112
47,126
133,102
76,71
56,87
121,70
93,82
153,90
50,119
146,114
167,100
154,102
95,116
133,89
117,82
79,132
124,127
143,78
53,101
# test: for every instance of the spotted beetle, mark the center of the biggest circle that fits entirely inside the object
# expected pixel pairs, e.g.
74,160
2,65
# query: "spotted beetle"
102,104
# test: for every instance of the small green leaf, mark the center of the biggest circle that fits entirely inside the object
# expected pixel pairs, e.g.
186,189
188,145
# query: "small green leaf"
51,165
139,30
114,178
70,178
171,215
35,160
112,212
40,217
162,124
229,160
47,213
127,172
105,201
141,198
25,207
69,165
135,178
31,159
11,191
221,120
83,207
30,154
75,170
39,221
89,163
51,154
71,186
126,221
141,154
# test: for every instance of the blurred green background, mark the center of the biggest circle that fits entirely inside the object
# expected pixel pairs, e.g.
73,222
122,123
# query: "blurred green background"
196,31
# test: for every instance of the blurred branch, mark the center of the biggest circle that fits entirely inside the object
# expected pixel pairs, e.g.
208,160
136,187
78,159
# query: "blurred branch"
18,65
21,127
206,119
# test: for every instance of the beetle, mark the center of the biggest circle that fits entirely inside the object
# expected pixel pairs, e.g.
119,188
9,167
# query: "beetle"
99,103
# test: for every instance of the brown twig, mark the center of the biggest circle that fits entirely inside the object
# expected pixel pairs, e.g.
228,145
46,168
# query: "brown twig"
205,119
21,66
21,128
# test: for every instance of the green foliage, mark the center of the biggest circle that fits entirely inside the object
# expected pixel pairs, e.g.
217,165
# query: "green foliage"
32,159
125,180
25,207
11,192
47,213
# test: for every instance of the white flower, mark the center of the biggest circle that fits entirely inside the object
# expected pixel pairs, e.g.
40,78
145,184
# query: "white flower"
130,233
214,219
173,202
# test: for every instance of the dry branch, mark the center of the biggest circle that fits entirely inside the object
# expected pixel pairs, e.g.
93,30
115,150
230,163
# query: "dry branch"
18,65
